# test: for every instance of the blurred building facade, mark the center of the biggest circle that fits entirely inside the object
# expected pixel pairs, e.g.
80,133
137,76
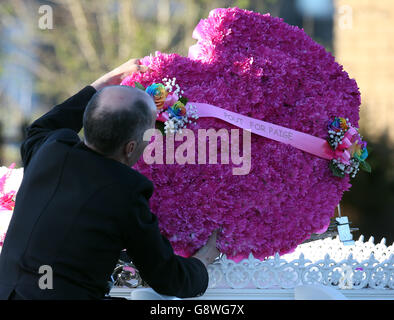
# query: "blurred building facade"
363,33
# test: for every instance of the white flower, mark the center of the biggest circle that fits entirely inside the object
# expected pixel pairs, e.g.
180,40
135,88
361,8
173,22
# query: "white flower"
169,126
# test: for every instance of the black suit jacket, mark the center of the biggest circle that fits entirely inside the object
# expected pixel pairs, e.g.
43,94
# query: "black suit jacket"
76,210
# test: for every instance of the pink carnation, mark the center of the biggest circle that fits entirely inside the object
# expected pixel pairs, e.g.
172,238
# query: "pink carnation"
2,238
258,66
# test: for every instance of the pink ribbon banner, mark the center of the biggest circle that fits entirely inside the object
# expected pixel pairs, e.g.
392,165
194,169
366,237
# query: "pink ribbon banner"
305,142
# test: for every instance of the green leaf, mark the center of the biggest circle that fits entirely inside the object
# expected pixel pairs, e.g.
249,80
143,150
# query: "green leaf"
337,173
364,165
160,125
139,85
184,100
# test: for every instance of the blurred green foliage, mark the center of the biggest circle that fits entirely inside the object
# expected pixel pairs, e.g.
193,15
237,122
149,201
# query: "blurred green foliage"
92,37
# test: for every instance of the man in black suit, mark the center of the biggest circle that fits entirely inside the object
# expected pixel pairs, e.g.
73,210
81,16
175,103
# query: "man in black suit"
80,203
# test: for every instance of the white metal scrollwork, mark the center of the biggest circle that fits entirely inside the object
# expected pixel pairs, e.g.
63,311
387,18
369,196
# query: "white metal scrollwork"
327,262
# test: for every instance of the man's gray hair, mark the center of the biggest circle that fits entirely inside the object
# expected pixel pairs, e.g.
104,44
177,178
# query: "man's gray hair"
108,129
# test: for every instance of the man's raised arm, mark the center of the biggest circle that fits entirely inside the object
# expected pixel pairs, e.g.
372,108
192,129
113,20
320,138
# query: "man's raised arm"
69,114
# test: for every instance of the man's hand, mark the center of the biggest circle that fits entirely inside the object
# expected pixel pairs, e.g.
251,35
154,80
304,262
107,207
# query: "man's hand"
208,253
116,76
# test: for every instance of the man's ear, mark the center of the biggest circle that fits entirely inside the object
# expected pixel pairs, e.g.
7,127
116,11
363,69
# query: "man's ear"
130,148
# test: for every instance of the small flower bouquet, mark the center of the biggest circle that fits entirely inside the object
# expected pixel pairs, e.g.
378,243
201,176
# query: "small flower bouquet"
10,180
350,149
7,199
171,105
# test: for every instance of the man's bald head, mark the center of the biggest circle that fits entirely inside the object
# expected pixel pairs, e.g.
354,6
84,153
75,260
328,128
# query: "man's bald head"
116,115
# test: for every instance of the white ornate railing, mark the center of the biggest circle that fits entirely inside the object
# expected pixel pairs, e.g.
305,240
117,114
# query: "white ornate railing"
363,271
327,262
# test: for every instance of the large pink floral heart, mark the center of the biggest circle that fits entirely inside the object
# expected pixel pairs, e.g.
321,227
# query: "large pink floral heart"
261,67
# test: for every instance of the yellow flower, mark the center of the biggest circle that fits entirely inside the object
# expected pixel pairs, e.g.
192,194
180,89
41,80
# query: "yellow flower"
343,124
356,149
